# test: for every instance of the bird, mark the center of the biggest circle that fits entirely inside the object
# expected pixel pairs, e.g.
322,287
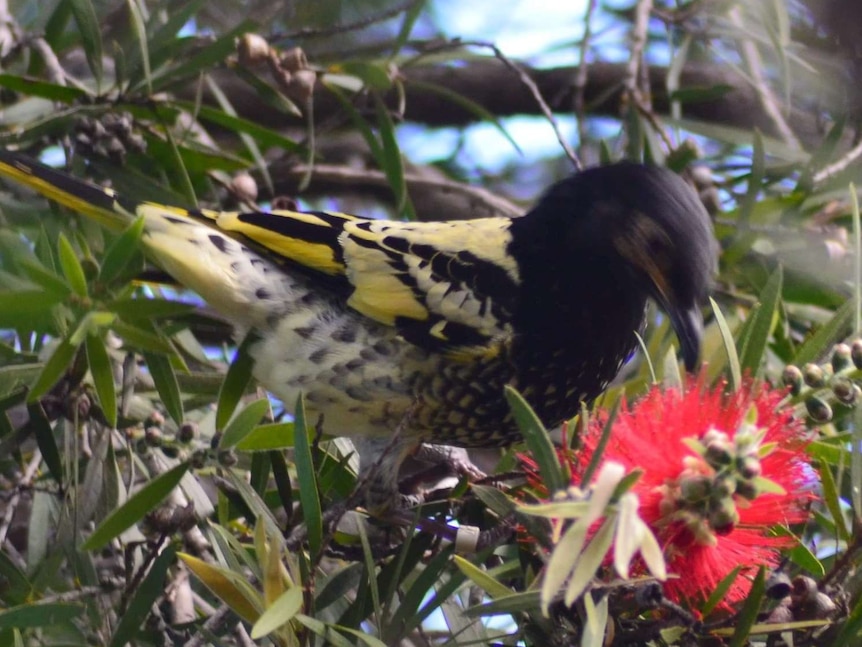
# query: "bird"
404,333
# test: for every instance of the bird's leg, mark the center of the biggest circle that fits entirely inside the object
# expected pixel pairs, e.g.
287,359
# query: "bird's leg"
380,459
438,462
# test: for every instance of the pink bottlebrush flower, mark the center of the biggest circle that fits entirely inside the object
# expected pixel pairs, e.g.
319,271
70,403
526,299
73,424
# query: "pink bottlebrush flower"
714,481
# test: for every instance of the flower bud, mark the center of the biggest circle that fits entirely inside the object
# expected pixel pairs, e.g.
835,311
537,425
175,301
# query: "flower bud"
723,487
718,453
813,375
695,488
724,517
845,390
841,357
252,49
244,187
187,432
856,353
199,459
792,378
153,436
749,467
293,60
301,84
747,490
819,410
227,458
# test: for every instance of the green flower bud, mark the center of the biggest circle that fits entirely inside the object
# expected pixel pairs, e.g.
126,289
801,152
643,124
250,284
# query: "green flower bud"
856,353
819,410
813,375
792,378
841,357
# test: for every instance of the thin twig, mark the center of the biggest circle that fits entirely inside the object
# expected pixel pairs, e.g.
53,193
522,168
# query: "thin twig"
525,79
838,166
362,23
478,197
754,63
25,481
581,76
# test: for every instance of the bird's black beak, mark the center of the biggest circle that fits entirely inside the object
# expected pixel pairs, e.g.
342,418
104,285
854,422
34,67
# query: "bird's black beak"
688,324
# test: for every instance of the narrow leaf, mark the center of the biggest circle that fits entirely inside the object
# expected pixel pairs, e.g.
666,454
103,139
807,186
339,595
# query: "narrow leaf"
243,423
103,377
235,382
54,368
133,510
166,384
538,441
71,266
729,346
146,594
754,343
91,35
230,587
748,615
308,494
280,613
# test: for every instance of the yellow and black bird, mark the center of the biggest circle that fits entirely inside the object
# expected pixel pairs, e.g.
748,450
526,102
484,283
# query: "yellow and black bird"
419,325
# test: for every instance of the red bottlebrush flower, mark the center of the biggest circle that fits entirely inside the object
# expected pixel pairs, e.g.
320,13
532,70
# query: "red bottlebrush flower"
713,483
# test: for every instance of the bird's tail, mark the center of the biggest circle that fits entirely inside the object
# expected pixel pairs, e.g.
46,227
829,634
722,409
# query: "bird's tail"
100,204
195,253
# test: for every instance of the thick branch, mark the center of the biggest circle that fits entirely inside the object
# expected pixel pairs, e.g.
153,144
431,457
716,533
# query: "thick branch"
494,87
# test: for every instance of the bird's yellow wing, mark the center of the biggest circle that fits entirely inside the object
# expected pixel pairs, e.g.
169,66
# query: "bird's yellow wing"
448,285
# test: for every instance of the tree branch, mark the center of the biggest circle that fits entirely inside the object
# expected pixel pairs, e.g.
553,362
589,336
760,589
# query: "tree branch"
492,86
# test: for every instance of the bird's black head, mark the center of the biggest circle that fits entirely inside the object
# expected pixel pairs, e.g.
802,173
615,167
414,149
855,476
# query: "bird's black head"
637,229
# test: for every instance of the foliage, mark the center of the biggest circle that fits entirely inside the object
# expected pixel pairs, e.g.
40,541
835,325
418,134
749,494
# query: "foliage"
152,494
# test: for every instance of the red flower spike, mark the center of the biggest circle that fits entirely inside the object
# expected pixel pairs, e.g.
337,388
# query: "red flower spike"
716,478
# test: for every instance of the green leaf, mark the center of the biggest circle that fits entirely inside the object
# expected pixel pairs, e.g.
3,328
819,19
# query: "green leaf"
373,75
26,308
44,433
121,252
243,423
538,441
103,377
91,34
324,630
747,616
493,587
279,613
146,594
833,502
801,554
230,587
235,382
308,493
140,32
55,286
753,343
38,615
141,339
268,437
139,504
145,308
53,370
71,266
833,331
43,89
729,346
166,384
268,95
720,591
263,135
214,53
390,158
